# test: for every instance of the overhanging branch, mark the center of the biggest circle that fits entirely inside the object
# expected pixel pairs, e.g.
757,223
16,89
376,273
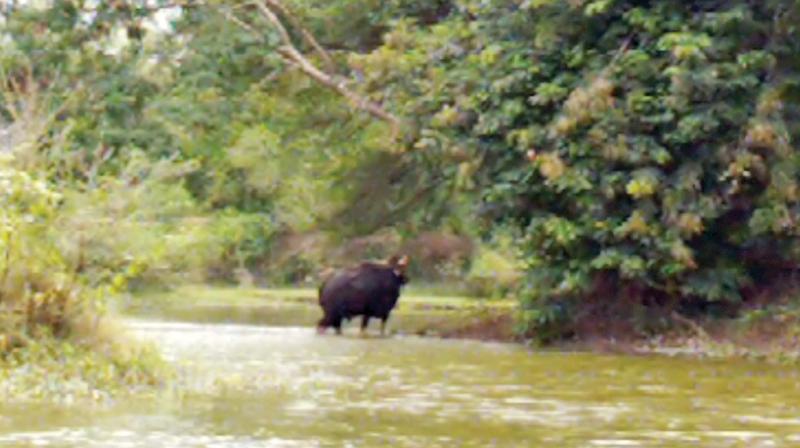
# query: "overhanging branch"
358,101
294,57
307,36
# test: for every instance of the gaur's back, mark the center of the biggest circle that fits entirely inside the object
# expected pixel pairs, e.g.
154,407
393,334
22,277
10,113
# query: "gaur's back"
366,278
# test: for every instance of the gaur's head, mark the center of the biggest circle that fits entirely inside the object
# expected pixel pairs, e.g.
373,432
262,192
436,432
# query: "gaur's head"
322,324
399,264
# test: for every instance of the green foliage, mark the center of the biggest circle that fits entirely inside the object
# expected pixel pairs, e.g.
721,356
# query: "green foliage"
232,242
198,133
650,145
642,152
50,326
33,272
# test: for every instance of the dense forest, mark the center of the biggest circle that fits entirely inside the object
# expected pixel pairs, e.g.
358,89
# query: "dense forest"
605,162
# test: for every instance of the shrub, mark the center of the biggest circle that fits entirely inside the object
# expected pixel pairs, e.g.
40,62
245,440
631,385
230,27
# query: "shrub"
53,293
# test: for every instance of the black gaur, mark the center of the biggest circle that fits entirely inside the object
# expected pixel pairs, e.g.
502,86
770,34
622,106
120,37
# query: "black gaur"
368,290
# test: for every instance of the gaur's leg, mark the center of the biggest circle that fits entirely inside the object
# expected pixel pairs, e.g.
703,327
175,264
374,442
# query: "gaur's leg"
383,325
364,323
337,325
322,325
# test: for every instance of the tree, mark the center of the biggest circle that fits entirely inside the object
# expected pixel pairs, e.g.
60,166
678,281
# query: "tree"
646,150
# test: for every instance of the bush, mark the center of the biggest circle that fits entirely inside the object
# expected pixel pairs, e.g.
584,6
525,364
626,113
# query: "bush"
53,292
38,284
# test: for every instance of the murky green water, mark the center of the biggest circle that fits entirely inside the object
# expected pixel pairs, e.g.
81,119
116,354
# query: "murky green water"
261,386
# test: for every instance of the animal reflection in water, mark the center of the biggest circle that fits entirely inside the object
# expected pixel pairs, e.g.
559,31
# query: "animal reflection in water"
367,290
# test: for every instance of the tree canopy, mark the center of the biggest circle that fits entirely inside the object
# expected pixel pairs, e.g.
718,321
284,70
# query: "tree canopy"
639,153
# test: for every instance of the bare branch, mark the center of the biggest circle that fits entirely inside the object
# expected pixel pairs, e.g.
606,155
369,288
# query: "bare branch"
9,89
297,59
307,36
276,22
358,101
230,16
33,114
150,8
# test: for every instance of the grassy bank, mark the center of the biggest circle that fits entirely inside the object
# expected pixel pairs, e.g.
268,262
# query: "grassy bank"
98,364
769,333
760,333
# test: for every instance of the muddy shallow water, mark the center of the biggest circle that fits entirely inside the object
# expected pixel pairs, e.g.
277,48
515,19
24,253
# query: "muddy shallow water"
261,386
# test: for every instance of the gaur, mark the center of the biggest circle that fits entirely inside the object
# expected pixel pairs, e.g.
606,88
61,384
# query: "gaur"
368,290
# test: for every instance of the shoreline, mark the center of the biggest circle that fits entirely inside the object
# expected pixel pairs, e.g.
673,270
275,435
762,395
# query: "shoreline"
458,317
